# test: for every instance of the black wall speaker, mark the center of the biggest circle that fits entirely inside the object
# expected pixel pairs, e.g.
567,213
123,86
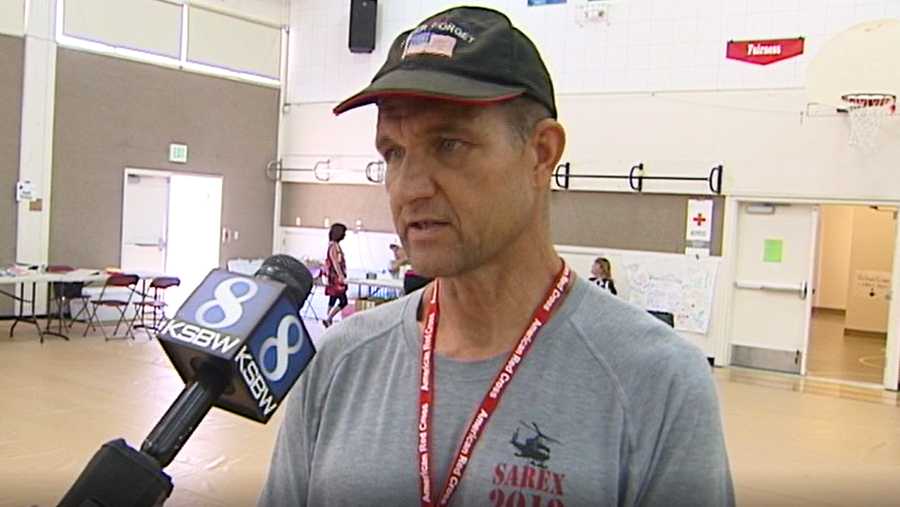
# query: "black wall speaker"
363,14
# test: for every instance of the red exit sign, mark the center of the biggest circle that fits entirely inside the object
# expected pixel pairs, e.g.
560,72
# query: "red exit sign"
764,52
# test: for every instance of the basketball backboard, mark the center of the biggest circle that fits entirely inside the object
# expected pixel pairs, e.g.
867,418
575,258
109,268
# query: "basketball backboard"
862,59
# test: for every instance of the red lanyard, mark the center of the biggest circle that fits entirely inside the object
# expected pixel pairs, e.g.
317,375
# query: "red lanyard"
491,399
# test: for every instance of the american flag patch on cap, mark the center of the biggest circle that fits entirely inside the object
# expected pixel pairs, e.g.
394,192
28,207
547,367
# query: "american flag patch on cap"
429,43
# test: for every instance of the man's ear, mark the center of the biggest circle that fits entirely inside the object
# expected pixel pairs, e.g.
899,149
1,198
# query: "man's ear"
548,140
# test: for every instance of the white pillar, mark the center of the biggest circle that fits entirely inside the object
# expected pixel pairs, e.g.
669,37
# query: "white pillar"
36,143
36,147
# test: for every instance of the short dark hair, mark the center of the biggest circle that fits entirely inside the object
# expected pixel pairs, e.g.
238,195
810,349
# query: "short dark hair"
337,231
522,114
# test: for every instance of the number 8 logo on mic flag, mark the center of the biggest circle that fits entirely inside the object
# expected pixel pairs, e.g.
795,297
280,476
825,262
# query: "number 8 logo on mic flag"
283,348
229,304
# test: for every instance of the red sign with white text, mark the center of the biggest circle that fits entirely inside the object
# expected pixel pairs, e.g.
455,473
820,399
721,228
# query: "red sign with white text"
764,52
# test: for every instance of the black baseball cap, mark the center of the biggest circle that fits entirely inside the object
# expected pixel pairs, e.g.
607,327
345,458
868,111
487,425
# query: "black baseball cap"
469,55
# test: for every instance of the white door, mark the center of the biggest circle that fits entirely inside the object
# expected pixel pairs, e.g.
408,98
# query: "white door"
195,205
772,302
145,209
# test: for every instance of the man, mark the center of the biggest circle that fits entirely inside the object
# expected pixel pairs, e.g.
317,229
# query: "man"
508,380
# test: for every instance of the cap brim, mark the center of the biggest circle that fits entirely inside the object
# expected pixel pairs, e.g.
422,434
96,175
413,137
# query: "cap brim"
430,84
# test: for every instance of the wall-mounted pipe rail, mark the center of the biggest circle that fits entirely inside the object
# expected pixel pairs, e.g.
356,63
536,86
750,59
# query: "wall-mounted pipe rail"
563,174
322,171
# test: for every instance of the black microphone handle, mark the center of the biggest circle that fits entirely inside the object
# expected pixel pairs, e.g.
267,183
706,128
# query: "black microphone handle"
119,476
184,415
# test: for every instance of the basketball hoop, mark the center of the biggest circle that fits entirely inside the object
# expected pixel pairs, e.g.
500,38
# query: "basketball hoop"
867,112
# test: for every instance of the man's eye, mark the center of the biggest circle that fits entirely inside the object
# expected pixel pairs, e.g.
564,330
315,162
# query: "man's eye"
391,154
449,145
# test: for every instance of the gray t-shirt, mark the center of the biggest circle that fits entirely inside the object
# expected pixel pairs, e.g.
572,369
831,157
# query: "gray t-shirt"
626,410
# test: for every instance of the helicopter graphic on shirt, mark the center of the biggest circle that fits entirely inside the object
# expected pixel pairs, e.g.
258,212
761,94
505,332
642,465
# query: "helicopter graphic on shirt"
535,448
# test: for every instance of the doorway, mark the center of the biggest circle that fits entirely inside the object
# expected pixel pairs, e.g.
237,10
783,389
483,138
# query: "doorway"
848,335
170,225
812,291
771,306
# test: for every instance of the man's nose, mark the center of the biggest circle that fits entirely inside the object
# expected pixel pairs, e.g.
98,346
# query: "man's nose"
412,179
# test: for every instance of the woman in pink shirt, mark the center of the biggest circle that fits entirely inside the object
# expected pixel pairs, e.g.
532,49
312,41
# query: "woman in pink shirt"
335,272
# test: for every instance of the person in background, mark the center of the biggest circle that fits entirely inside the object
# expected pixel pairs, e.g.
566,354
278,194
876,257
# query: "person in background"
413,281
401,267
335,271
602,271
400,259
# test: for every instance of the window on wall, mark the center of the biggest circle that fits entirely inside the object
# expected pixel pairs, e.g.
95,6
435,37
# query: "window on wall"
226,41
12,17
175,34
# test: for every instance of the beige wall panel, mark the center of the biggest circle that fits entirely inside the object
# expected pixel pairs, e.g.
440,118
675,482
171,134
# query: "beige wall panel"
12,51
834,256
113,113
871,259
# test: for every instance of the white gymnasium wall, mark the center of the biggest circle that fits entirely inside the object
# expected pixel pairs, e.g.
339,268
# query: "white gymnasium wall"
653,86
12,17
766,146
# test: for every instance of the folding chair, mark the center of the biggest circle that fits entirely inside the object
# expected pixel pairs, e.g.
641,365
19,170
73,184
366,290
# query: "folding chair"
115,281
61,294
309,310
156,303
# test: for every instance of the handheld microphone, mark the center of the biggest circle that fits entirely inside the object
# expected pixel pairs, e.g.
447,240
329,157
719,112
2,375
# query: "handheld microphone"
239,344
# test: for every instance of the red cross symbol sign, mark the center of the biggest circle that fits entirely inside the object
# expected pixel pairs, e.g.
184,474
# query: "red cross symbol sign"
699,219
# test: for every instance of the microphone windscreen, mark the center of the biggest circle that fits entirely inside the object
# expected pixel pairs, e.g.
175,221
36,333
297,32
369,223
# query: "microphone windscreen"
291,272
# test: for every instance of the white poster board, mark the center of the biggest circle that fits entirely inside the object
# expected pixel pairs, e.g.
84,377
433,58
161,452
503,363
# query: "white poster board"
679,284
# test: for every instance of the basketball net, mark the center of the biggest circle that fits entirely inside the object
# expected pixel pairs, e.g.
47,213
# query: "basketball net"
867,113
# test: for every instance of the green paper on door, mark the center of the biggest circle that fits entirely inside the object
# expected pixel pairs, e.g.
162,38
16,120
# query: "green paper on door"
773,250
